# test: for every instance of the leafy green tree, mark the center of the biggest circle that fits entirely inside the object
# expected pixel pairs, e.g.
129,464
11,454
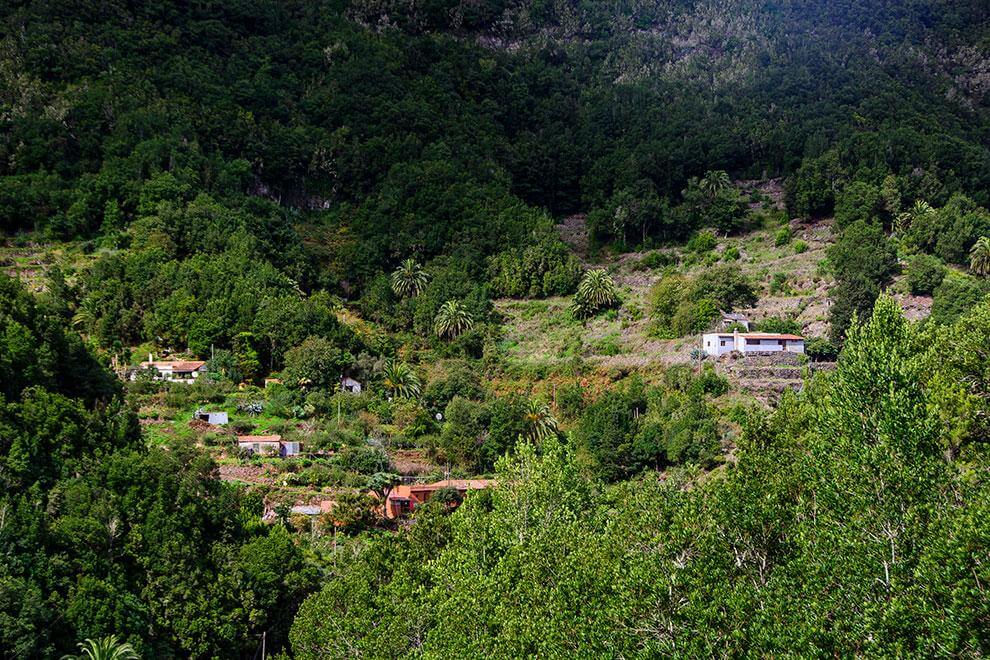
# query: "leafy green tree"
858,201
316,363
924,274
863,261
545,268
956,295
382,483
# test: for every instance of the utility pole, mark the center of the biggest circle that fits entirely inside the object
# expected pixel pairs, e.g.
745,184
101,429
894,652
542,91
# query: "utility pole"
264,636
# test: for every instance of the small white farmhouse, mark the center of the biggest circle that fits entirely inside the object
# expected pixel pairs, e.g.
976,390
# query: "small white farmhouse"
181,371
720,343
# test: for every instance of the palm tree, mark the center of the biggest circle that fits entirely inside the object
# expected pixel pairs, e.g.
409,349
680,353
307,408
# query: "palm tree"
400,380
105,648
979,257
595,292
540,422
715,181
409,279
85,315
452,319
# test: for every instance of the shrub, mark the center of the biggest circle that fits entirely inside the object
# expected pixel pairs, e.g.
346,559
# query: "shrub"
778,324
956,295
779,284
924,274
800,247
820,349
570,400
858,202
654,260
731,254
703,241
363,458
782,237
710,382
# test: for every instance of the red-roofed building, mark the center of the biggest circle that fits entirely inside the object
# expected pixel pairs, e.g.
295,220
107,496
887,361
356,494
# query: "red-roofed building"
404,499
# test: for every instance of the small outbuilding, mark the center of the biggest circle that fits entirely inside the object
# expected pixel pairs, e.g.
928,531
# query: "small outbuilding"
348,384
731,320
215,418
269,444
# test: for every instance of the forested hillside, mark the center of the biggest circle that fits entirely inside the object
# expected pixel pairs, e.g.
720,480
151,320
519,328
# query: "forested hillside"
456,240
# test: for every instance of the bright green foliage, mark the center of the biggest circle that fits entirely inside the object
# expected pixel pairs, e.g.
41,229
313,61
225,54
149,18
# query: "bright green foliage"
680,306
316,363
956,295
924,274
979,256
105,648
546,268
782,237
381,483
701,242
848,524
864,262
400,380
779,324
595,292
101,536
452,320
409,279
949,232
540,422
858,202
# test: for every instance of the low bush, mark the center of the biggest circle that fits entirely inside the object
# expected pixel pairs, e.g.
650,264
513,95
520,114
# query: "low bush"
924,274
703,241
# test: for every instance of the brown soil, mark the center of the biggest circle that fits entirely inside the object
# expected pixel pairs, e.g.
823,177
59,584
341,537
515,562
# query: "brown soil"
251,474
412,461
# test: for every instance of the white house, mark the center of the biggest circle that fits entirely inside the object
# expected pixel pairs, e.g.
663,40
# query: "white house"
720,343
179,371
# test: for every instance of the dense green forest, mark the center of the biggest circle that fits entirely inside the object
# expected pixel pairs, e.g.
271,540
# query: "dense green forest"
470,206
